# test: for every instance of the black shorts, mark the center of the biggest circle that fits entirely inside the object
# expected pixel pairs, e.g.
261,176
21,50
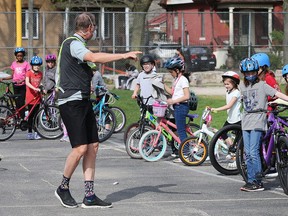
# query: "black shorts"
80,122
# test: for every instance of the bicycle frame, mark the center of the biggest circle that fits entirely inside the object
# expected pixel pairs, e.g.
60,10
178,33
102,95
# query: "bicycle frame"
274,130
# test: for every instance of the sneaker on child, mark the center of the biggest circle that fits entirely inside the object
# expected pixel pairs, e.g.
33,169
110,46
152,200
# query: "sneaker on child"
251,187
65,139
30,136
95,202
65,198
36,136
272,173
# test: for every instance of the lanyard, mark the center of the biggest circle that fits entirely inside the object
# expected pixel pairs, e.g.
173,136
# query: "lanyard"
174,84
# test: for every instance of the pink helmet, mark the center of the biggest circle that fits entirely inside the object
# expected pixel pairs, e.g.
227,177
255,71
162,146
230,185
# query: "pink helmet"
50,57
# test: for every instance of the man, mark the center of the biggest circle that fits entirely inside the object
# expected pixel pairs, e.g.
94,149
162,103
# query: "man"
73,83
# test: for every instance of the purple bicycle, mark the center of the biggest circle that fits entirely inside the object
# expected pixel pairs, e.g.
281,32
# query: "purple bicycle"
274,147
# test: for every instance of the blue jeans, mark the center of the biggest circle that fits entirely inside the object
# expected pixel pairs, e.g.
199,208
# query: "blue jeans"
252,143
180,112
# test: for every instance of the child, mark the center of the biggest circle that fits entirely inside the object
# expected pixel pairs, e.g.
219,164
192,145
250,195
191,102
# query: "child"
231,81
144,83
49,78
254,94
19,68
33,82
180,95
285,76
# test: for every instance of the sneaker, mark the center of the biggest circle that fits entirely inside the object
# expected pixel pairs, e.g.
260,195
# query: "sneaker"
251,187
65,198
65,139
177,160
272,173
174,155
95,202
36,136
30,136
232,165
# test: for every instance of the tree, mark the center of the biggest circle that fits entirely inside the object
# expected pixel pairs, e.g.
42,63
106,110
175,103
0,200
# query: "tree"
139,6
285,40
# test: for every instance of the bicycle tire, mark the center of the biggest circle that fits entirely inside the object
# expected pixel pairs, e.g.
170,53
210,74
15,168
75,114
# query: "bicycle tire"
47,122
146,148
128,130
193,153
132,144
7,123
282,164
223,160
120,118
107,118
240,160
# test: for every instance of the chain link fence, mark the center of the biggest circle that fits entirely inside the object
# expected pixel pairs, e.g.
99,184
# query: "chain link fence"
251,32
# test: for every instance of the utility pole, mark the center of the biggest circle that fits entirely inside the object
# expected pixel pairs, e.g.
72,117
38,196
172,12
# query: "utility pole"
18,23
30,29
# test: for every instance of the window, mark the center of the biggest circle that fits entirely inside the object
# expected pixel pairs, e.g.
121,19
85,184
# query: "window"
176,21
201,11
25,24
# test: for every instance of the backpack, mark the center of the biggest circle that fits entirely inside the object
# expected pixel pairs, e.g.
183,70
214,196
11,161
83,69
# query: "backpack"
193,101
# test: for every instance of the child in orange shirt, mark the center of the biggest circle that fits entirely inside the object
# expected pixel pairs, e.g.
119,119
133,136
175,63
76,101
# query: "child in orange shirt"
33,82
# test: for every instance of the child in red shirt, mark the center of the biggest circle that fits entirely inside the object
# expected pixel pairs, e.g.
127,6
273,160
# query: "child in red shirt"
33,82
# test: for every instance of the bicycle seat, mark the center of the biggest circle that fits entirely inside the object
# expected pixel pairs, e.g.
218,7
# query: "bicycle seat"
192,116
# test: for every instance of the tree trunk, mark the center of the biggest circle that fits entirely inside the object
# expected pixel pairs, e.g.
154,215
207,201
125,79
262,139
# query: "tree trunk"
285,40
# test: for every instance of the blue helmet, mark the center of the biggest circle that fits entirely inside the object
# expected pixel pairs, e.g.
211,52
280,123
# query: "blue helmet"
36,60
262,58
249,65
19,50
285,70
175,62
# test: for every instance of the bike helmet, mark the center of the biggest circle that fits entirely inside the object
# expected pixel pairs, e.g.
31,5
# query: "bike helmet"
232,75
262,58
249,65
50,57
36,60
19,50
285,70
174,63
146,59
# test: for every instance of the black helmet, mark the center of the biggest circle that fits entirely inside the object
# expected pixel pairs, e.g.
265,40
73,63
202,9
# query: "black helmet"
147,58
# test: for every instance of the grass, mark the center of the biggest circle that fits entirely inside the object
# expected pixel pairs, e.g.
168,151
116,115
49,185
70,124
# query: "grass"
132,112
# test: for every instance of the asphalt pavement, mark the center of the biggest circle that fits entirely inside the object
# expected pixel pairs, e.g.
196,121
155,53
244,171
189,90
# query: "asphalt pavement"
30,171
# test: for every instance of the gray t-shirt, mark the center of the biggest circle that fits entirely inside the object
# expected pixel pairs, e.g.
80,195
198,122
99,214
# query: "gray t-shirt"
255,98
145,82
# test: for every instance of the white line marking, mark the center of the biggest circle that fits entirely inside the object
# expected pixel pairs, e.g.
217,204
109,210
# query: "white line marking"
24,167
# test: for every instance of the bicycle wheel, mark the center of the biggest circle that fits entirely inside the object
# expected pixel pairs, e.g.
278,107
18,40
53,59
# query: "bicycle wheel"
151,148
120,118
7,123
223,157
128,131
282,164
193,153
240,160
106,124
47,122
132,144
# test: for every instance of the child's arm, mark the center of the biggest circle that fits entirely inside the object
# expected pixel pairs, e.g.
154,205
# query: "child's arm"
281,95
27,81
135,92
227,106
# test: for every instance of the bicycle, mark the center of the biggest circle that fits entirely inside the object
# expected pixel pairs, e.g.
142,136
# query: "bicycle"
153,143
8,98
105,118
46,121
147,122
222,152
274,147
